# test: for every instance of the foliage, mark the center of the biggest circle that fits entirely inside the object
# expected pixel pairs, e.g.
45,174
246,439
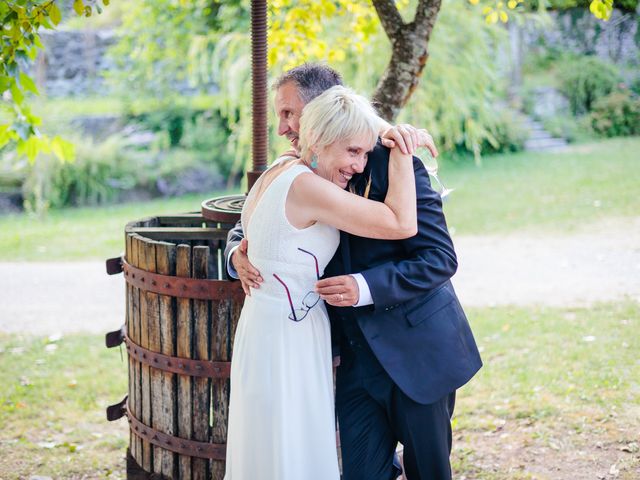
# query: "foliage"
583,80
203,132
113,170
508,133
625,5
495,10
154,39
455,104
19,43
564,126
97,176
542,192
617,114
458,101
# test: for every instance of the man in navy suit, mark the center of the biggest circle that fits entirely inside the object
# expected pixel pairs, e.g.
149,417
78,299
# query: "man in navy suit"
404,342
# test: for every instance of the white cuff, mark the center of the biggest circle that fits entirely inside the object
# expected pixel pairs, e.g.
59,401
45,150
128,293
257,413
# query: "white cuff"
230,270
365,293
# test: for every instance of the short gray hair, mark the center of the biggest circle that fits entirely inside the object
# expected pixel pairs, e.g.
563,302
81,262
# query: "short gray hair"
311,79
337,114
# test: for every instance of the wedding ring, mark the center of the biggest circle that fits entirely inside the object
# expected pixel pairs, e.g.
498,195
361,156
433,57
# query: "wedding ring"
341,297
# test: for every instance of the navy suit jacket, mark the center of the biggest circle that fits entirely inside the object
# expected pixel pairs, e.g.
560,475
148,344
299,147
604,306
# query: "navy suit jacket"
416,326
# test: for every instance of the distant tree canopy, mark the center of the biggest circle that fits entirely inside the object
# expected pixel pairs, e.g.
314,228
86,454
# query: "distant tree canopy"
217,27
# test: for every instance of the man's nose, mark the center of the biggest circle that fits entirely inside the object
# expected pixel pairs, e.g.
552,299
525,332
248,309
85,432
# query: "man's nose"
283,127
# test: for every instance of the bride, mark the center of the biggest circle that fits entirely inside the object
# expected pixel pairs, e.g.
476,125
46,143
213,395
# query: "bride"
281,413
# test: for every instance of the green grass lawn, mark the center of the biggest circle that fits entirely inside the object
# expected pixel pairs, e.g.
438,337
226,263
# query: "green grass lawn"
558,398
81,233
551,191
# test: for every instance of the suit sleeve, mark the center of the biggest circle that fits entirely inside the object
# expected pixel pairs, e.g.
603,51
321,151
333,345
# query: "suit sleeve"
235,235
430,259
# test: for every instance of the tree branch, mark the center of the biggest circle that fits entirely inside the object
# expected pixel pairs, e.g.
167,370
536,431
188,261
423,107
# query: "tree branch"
389,16
409,54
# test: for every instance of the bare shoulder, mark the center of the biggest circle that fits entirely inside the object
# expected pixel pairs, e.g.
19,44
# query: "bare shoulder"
310,188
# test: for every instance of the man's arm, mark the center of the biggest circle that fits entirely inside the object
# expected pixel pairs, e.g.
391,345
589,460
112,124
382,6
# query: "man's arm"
430,260
430,257
235,235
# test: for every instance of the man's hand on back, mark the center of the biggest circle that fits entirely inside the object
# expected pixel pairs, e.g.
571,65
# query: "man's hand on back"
248,275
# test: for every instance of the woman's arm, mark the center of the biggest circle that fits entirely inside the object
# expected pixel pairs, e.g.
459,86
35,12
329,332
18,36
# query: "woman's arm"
313,198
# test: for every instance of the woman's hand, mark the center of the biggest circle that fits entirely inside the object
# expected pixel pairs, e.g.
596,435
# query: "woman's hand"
408,138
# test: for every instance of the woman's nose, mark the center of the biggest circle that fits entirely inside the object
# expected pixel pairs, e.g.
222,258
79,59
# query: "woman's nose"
359,165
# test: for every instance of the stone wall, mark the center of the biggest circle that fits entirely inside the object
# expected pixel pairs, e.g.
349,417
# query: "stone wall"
73,62
578,31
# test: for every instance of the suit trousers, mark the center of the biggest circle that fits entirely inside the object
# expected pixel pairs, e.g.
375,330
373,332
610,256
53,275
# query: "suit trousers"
374,415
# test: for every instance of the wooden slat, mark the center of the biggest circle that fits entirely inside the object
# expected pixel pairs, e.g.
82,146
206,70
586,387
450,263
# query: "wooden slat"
155,375
167,422
137,401
202,386
220,346
129,329
145,380
183,349
183,233
182,220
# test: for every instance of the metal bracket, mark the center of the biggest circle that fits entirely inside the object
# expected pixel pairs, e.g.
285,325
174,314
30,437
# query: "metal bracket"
115,338
118,410
114,265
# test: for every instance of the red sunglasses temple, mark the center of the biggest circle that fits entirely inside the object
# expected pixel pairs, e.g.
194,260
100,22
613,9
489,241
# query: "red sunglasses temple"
293,312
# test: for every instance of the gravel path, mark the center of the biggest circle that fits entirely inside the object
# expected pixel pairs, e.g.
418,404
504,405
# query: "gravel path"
600,263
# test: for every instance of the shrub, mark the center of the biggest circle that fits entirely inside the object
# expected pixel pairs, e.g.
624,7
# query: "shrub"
583,80
617,114
563,126
508,134
183,171
100,172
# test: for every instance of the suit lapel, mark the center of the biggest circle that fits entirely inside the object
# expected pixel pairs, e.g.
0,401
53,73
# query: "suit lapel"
345,250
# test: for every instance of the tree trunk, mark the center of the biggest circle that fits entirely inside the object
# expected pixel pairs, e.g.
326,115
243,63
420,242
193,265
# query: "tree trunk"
409,47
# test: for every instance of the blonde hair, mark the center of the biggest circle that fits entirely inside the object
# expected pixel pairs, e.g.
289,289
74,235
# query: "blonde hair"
337,114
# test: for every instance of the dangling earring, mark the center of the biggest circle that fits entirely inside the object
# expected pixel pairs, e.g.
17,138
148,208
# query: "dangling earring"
314,161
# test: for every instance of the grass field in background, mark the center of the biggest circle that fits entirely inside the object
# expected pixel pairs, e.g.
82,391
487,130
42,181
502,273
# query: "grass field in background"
82,233
550,191
558,396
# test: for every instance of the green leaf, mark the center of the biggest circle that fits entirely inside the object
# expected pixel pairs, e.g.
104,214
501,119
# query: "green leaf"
78,6
65,151
54,14
37,42
16,93
6,135
27,83
29,148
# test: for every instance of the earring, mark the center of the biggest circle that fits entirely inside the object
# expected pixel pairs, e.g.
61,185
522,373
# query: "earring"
314,161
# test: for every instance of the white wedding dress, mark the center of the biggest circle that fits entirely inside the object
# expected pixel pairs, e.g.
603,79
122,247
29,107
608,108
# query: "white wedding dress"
281,413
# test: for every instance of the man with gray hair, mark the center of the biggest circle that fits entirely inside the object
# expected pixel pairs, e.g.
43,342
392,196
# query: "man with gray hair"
404,342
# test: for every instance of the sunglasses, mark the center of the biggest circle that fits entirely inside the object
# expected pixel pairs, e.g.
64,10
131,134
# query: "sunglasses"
309,301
